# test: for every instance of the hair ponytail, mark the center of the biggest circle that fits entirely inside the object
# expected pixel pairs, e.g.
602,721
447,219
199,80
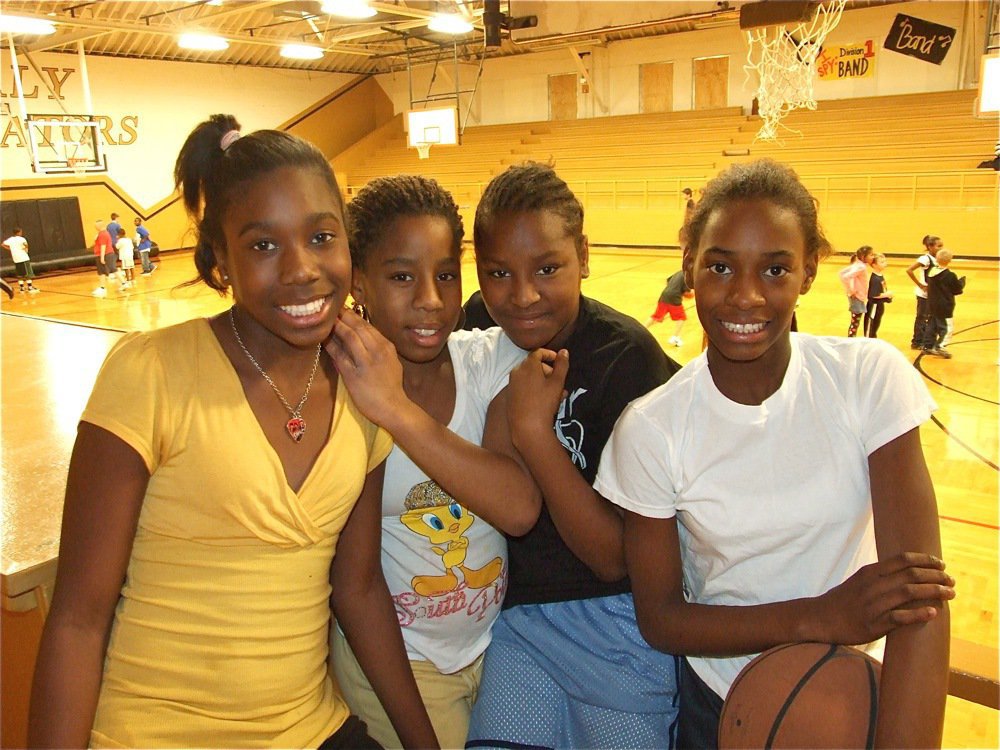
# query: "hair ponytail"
214,161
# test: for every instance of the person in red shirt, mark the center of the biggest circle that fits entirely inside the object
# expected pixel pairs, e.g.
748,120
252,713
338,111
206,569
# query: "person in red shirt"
107,259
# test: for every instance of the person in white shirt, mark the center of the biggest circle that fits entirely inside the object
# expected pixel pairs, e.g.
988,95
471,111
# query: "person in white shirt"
775,489
454,483
126,252
18,247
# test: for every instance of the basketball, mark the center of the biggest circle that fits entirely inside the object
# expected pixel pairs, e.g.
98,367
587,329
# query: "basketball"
803,695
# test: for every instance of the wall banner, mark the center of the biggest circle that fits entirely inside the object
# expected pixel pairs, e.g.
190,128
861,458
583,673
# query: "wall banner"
921,39
854,60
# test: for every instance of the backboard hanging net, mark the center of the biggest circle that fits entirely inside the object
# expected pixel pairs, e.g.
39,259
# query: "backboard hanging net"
784,38
65,144
431,127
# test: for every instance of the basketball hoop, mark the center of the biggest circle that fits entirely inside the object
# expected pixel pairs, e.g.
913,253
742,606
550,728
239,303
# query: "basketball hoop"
423,149
784,56
78,166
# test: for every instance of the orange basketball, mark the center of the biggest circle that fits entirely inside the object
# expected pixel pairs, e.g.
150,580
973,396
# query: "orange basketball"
803,695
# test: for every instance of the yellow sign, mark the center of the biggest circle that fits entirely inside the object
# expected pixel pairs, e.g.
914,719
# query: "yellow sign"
846,61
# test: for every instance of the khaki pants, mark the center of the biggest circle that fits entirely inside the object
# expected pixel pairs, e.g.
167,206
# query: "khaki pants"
447,697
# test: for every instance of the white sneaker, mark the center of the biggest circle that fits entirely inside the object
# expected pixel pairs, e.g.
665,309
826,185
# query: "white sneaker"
34,290
100,292
125,285
676,341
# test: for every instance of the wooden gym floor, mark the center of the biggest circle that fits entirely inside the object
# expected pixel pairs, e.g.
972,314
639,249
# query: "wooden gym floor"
961,443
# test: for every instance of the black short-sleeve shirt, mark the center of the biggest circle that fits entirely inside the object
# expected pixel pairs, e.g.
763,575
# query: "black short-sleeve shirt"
612,361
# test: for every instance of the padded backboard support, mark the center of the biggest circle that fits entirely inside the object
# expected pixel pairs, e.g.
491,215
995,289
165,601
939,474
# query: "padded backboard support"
776,13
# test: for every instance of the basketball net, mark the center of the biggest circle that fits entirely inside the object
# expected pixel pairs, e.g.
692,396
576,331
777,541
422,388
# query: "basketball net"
423,150
784,59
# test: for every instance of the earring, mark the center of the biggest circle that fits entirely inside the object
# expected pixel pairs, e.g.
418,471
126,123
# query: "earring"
361,311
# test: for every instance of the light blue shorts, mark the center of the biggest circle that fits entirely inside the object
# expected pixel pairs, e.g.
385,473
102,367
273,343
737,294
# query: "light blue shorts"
574,674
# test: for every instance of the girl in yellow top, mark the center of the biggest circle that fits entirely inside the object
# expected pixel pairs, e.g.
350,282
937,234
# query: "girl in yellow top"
197,565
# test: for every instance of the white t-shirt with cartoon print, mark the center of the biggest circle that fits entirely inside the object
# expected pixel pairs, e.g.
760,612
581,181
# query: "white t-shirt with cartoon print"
447,568
773,502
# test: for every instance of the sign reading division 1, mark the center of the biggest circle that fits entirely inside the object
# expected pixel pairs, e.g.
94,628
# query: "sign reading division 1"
846,61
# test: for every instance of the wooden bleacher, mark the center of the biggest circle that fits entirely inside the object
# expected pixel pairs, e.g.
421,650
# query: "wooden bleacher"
883,168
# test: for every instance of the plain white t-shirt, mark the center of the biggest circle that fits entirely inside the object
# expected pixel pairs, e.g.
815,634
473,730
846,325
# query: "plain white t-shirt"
18,248
452,629
773,501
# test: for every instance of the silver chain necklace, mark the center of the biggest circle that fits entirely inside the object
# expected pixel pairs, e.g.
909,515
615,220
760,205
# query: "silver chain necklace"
296,425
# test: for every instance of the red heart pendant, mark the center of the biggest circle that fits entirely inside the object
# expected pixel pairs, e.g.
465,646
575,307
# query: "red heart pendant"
296,427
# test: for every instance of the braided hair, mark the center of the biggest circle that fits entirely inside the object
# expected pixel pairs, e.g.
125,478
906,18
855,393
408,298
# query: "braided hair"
385,199
526,187
214,163
763,179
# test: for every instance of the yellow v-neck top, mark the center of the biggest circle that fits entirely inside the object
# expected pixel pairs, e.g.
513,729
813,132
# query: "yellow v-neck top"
220,634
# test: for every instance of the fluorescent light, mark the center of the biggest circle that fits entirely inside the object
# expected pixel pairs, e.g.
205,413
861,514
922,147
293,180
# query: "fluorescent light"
348,8
206,42
22,25
301,52
449,23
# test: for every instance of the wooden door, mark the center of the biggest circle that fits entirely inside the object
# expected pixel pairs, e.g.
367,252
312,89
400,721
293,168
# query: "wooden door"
562,97
656,87
711,82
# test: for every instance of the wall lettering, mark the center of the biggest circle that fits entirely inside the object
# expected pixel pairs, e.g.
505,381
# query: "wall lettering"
56,82
56,78
28,94
125,132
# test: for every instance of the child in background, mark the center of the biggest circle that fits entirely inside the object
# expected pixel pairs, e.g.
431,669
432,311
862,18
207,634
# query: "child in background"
435,390
687,195
567,666
231,516
775,490
943,285
126,251
143,244
672,301
855,281
106,259
917,271
878,296
114,227
18,247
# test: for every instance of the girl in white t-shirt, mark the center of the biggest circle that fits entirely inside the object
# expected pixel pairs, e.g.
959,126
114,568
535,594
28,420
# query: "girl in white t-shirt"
775,489
453,475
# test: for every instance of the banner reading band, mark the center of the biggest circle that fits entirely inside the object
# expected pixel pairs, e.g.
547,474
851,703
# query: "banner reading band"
921,39
846,61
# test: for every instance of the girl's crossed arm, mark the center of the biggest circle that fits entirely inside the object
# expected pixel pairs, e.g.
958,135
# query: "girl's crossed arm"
98,527
589,524
874,601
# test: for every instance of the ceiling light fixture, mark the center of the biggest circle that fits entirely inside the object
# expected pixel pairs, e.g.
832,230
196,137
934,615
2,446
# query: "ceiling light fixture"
449,23
355,9
204,42
301,52
22,25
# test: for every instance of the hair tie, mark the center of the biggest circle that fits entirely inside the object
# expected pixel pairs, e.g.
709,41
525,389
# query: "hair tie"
229,139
